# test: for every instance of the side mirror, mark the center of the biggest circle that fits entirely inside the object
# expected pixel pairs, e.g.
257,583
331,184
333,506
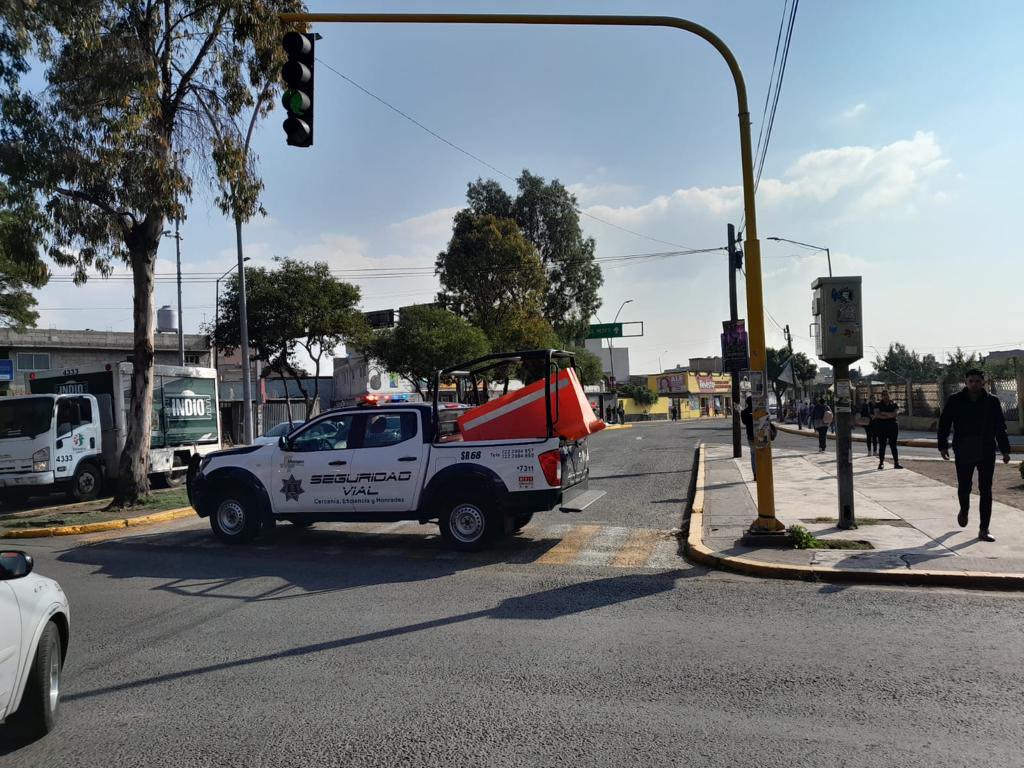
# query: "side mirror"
15,564
283,444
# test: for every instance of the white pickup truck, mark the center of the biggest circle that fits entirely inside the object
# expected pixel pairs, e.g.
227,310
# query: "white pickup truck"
381,462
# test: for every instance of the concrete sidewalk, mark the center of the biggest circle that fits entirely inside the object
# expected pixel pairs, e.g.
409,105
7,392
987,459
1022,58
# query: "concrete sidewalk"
909,519
908,437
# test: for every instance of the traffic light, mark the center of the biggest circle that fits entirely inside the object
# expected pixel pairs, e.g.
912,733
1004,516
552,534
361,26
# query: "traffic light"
297,74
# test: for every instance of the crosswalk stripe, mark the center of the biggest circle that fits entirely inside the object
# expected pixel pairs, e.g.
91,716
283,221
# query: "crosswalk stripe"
604,546
567,549
637,549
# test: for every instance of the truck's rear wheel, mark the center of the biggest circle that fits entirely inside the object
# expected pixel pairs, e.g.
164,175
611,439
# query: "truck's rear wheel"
469,523
176,477
86,484
521,521
235,518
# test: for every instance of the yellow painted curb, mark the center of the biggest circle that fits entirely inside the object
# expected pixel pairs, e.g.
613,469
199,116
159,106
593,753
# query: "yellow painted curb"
697,551
106,525
617,426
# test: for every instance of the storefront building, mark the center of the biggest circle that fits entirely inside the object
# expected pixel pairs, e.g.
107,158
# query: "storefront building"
694,395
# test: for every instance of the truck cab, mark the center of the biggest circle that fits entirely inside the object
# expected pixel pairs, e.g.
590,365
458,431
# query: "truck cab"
50,441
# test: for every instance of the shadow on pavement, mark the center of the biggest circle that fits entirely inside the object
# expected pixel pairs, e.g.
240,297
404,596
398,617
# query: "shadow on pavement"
303,563
538,606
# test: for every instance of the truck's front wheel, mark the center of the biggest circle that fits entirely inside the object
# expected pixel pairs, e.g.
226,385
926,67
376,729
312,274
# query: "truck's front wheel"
469,523
235,518
86,484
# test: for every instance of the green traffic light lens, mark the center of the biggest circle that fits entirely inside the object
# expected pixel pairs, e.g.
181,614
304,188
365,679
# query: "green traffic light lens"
295,102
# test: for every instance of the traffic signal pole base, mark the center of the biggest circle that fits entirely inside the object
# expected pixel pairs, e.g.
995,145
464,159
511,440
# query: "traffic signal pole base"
767,526
758,538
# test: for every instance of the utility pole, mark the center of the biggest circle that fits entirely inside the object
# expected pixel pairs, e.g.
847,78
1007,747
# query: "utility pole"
737,443
789,344
181,319
844,443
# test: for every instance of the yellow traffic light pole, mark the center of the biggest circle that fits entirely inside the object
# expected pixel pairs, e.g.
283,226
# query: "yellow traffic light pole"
766,520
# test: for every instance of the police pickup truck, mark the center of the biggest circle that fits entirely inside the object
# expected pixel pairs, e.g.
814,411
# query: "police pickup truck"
385,462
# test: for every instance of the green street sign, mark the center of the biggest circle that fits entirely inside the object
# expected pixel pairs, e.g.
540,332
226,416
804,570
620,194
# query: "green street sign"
605,331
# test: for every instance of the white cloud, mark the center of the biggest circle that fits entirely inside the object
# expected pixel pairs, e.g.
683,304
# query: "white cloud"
855,111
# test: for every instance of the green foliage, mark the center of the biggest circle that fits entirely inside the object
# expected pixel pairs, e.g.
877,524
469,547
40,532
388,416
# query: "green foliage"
491,276
20,269
426,340
588,366
138,97
640,395
804,539
902,364
297,305
547,216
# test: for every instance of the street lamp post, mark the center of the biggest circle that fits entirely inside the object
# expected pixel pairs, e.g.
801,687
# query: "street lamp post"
828,253
611,347
216,309
660,368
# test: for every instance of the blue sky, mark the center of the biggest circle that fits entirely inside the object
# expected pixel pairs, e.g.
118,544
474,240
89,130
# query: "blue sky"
896,143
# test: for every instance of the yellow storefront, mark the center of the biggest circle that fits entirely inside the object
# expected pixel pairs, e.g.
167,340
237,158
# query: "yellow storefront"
694,395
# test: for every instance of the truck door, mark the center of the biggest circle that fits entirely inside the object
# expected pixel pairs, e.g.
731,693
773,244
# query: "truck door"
389,460
78,434
312,473
10,644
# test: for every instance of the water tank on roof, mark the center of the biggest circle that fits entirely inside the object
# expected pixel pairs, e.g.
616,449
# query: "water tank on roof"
166,320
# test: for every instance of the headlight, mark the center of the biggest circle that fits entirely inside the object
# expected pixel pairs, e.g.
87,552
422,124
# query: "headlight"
41,460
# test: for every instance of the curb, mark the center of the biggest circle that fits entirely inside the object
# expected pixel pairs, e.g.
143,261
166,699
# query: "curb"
909,442
698,552
106,525
617,426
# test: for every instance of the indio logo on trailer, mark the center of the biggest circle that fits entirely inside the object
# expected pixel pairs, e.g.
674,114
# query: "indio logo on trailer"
188,405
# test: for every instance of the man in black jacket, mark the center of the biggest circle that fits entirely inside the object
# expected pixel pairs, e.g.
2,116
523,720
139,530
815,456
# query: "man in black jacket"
747,417
978,427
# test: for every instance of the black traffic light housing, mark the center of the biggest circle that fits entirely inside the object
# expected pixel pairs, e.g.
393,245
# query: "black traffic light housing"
297,74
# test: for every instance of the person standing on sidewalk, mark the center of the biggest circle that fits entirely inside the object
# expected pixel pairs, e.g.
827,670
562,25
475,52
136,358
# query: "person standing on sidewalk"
821,417
976,418
887,429
747,417
866,419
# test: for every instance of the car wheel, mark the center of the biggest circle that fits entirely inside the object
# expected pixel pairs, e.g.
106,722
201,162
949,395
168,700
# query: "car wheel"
521,521
40,704
235,518
469,524
86,484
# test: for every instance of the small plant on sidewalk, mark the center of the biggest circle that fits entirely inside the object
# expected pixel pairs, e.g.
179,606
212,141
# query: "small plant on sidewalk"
804,539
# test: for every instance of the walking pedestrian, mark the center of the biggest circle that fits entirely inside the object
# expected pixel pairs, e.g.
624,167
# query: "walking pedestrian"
866,419
821,417
747,417
888,429
978,425
621,413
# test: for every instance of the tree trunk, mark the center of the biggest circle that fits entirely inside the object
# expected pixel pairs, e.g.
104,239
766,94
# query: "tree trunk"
133,479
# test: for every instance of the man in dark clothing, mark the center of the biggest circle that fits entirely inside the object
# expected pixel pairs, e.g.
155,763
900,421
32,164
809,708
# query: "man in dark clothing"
747,417
976,418
867,419
887,429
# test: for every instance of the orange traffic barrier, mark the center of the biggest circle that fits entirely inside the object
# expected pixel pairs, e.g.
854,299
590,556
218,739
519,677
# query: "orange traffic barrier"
522,413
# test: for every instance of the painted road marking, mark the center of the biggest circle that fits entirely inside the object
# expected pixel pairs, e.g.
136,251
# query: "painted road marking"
637,549
569,547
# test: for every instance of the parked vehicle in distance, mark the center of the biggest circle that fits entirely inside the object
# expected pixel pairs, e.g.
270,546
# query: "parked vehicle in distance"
276,432
34,632
68,435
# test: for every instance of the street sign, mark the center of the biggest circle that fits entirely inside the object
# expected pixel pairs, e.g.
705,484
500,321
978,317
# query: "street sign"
6,370
605,331
734,346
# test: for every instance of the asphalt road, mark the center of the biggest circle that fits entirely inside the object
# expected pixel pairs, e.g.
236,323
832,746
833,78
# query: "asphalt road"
342,647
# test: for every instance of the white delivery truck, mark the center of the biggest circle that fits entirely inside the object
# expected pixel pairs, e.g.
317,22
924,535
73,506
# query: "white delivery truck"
69,433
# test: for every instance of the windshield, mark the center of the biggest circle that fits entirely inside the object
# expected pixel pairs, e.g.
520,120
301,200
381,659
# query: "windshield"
25,417
281,429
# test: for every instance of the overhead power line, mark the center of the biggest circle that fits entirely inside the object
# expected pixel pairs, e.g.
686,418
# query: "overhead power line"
479,159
